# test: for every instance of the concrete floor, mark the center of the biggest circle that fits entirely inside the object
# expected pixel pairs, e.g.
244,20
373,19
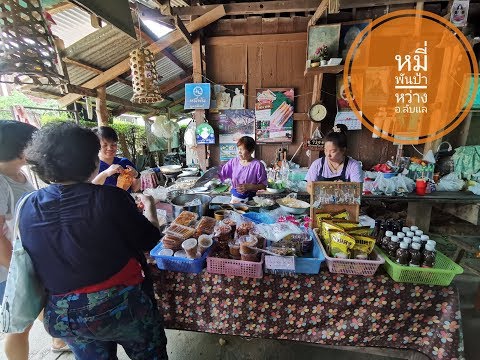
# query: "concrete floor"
183,345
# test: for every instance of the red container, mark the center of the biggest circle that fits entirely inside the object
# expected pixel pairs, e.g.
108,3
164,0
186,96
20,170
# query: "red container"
421,187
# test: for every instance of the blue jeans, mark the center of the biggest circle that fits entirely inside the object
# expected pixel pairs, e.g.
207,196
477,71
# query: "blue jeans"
93,324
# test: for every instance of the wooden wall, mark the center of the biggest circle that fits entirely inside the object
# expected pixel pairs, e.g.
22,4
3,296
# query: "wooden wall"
241,51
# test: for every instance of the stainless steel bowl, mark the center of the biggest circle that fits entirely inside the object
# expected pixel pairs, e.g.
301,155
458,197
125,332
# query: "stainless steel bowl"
178,204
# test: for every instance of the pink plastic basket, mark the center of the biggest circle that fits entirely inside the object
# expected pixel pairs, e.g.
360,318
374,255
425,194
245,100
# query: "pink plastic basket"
350,266
242,268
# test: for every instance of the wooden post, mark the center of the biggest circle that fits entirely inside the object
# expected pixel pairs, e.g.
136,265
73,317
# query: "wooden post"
316,97
101,102
199,115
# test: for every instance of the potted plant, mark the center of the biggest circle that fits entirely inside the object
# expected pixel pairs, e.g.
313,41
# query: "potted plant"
321,55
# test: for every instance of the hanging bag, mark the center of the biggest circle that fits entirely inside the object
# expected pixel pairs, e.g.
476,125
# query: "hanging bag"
25,296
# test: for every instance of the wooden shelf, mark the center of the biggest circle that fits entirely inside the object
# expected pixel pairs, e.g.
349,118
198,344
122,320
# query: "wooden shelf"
327,69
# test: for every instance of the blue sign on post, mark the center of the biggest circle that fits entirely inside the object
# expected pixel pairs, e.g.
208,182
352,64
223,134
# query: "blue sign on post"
197,96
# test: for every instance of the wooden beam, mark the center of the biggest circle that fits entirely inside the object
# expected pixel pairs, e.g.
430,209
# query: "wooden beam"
168,54
112,98
181,27
163,43
94,69
252,8
252,39
60,7
101,101
319,12
176,102
173,85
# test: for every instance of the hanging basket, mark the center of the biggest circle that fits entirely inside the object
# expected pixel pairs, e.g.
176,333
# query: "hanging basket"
144,77
27,48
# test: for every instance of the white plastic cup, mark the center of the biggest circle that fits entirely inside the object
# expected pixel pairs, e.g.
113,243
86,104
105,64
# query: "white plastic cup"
190,246
204,242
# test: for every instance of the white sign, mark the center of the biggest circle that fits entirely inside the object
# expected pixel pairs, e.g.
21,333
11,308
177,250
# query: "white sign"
459,12
280,262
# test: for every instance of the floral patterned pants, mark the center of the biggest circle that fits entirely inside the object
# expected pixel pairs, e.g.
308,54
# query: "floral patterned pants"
93,324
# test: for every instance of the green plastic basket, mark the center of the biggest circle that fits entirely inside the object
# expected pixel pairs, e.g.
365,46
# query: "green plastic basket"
442,274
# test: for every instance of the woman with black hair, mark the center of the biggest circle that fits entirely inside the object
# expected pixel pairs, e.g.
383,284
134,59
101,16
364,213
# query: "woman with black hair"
111,165
335,165
86,243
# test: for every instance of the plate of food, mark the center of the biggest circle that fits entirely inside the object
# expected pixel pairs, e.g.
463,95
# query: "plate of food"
275,187
293,206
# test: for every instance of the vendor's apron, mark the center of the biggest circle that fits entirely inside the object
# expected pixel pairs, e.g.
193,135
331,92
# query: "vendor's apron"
341,177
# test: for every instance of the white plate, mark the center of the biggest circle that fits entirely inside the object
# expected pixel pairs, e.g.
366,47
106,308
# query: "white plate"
171,169
200,189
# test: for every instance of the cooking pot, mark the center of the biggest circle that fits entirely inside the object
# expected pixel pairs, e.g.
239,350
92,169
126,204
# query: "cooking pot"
178,204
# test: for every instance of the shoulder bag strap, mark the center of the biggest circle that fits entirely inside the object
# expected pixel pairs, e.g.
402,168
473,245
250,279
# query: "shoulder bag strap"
16,231
12,198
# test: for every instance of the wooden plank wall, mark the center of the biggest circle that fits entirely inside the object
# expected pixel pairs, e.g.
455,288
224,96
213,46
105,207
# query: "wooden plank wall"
270,63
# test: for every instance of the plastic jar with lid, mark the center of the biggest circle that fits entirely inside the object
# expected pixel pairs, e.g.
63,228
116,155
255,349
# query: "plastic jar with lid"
393,246
403,254
386,239
415,255
429,256
413,228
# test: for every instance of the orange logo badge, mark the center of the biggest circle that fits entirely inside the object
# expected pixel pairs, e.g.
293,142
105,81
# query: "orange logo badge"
411,76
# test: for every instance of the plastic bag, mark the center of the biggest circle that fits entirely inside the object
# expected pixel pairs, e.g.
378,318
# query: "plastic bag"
450,182
475,188
403,184
158,194
382,185
278,231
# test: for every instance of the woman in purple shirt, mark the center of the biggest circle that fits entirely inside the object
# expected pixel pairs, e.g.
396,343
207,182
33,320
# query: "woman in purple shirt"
248,174
335,166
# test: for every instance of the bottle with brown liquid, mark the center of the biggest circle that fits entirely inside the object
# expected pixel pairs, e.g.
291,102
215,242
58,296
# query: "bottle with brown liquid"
403,255
393,246
415,255
386,239
429,256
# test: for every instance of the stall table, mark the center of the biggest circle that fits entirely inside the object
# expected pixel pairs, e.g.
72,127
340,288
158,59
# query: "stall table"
420,207
324,309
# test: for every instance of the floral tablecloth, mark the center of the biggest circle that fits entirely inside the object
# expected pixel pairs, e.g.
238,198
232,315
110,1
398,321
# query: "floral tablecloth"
326,309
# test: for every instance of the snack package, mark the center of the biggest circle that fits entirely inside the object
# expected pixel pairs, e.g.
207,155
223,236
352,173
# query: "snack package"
345,224
278,231
364,244
186,218
125,179
340,242
342,214
170,242
206,225
179,231
326,227
360,230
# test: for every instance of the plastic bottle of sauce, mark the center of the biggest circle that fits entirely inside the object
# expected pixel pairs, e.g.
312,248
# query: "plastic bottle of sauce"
381,232
413,228
401,236
386,239
418,232
405,229
415,255
410,234
429,256
407,240
393,246
403,255
424,239
378,224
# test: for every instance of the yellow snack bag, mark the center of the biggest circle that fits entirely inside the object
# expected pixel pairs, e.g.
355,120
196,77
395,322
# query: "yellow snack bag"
342,214
326,227
360,230
340,242
345,224
364,244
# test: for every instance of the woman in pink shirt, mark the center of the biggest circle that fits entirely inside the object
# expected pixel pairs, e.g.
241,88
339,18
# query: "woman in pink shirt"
335,165
248,174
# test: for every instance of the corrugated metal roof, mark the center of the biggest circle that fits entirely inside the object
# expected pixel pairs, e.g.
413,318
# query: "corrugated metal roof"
106,47
72,25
